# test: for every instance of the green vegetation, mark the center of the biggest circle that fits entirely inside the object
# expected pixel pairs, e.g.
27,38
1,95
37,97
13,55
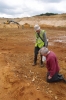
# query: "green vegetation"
47,14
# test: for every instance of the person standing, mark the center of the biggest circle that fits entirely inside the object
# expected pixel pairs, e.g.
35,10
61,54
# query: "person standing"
41,41
52,66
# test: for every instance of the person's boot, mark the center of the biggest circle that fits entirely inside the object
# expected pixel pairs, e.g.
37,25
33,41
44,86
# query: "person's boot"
34,64
60,75
62,78
41,64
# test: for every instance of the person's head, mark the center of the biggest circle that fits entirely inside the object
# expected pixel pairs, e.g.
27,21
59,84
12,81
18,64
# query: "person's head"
44,51
37,28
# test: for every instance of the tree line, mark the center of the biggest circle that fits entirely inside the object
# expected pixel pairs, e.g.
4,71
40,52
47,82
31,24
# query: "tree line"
47,14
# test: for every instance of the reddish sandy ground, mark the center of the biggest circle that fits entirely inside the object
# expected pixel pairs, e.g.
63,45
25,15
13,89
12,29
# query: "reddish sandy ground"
19,80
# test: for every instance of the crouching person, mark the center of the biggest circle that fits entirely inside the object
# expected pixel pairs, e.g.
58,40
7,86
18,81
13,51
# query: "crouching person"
52,66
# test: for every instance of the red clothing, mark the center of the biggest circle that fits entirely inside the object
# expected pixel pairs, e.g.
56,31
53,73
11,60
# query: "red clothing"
52,64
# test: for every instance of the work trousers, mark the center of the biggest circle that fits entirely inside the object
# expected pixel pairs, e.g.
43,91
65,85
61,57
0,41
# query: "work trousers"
36,50
56,78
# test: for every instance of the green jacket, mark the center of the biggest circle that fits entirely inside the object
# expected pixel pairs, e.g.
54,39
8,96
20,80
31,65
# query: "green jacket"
39,42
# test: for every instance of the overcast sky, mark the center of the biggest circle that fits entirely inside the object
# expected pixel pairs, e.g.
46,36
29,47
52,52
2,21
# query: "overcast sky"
27,8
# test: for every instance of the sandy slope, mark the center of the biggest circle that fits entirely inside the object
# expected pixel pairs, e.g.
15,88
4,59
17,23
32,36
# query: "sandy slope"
52,21
56,20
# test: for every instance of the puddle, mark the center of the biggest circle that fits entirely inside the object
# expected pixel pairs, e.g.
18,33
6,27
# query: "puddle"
50,43
62,41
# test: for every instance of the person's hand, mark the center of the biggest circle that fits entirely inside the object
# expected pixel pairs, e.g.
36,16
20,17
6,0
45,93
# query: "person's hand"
49,77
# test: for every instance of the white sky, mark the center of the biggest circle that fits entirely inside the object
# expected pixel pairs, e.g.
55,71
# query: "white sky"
28,8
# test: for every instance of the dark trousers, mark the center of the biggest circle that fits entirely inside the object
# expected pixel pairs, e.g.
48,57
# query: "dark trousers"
36,50
56,78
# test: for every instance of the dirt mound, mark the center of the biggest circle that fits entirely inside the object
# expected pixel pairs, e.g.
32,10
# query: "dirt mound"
11,25
26,25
